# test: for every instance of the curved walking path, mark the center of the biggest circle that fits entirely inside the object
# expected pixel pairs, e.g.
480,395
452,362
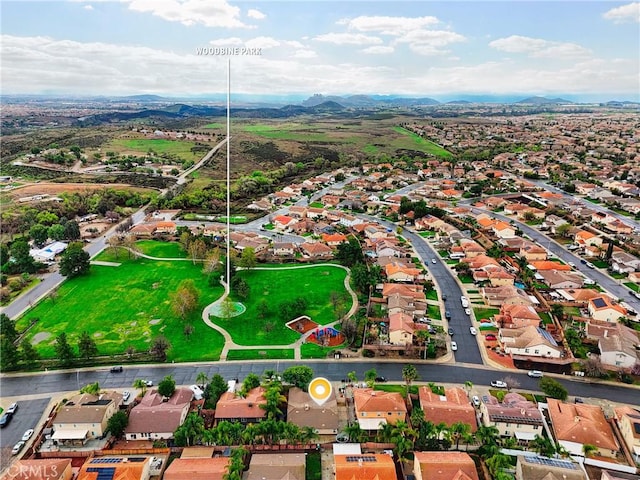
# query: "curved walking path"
229,344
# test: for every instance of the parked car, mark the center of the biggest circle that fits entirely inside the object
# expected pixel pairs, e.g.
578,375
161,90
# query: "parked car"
450,331
447,314
572,265
27,435
5,419
578,400
535,373
475,401
118,369
498,384
472,330
12,408
433,260
17,447
197,392
126,395
490,336
381,379
454,346
590,265
583,261
149,383
467,311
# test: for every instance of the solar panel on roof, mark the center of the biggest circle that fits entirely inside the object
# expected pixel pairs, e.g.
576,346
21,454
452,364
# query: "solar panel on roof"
137,459
104,473
551,462
599,302
547,336
106,460
361,458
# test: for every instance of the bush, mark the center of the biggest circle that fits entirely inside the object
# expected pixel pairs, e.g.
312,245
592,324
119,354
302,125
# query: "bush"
368,353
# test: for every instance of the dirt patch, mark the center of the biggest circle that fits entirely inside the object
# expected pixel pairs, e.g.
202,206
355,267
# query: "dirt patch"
49,188
302,325
155,321
40,337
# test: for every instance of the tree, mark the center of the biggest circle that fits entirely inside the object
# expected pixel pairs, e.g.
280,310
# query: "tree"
361,277
592,366
214,390
370,377
247,259
422,336
497,463
354,432
167,386
241,287
349,253
9,356
185,299
39,233
64,352
87,346
273,401
202,379
542,446
511,382
28,352
351,376
263,308
589,449
227,309
459,430
22,259
409,375
197,250
141,385
8,327
91,388
299,375
71,230
552,388
191,429
251,381
212,261
557,311
117,423
159,348
74,261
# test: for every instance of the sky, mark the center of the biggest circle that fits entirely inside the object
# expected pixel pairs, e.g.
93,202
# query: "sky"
587,50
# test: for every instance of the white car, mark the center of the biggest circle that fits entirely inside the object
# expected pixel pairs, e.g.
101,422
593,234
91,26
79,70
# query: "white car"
535,373
572,265
149,383
467,311
475,401
472,330
27,435
17,447
125,395
433,260
454,346
498,384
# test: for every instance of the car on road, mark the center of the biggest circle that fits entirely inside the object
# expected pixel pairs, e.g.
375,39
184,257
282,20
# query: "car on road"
148,383
498,384
578,400
583,261
116,369
475,401
12,408
467,311
636,294
454,346
27,435
590,265
572,265
17,447
535,373
126,395
5,419
450,331
447,314
472,330
433,260
490,336
381,379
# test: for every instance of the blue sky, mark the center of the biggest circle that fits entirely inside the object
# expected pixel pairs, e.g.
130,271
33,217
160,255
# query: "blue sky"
585,49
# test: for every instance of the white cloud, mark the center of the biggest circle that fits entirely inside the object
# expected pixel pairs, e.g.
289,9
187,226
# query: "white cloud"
256,14
538,47
348,39
388,25
262,42
378,50
625,13
210,13
304,53
430,42
227,42
88,7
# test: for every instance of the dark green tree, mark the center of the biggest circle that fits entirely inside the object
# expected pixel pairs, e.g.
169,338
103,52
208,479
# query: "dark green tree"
39,234
28,352
71,230
349,253
251,381
552,388
56,232
87,347
9,356
299,375
117,423
167,386
214,390
8,327
64,352
74,261
23,261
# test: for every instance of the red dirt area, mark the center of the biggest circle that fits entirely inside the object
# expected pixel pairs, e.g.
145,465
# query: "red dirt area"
302,325
326,337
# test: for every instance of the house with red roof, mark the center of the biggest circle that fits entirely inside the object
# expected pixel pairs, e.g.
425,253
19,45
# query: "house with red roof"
155,418
444,466
234,408
454,406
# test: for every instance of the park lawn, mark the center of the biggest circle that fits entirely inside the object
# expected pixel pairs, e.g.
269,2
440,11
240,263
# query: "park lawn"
600,263
278,285
313,350
633,286
396,388
141,146
485,313
271,353
158,249
415,141
234,219
127,306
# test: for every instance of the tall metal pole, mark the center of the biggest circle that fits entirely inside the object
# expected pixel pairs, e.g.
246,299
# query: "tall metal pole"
228,173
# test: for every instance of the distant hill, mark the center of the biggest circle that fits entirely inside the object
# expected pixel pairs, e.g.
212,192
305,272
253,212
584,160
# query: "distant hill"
143,98
360,101
459,102
543,101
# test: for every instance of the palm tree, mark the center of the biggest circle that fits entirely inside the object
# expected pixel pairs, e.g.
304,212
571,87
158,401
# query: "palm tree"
274,399
488,438
404,438
141,385
354,432
468,386
589,449
250,434
209,437
308,434
497,463
202,379
409,374
542,446
384,433
459,430
422,336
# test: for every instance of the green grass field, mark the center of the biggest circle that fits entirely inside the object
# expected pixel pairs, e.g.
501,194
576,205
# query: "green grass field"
485,313
268,354
414,141
313,350
127,306
161,249
214,125
295,132
278,285
141,146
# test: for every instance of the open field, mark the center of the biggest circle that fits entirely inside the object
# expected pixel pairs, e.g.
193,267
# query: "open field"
161,249
214,125
267,354
51,188
413,141
277,286
141,146
127,306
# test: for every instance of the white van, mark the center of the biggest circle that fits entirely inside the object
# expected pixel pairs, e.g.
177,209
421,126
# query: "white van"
197,392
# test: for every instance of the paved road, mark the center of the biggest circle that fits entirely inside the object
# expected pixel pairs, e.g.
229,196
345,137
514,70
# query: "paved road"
468,349
605,281
49,383
50,281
